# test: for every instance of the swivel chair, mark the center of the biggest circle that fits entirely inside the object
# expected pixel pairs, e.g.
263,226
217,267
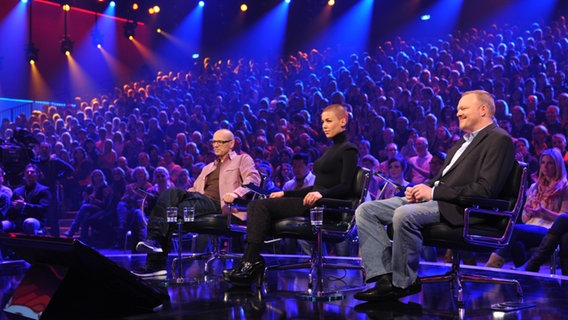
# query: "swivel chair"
338,225
500,216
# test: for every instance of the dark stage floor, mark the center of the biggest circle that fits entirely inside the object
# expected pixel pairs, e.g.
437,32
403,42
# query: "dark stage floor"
211,298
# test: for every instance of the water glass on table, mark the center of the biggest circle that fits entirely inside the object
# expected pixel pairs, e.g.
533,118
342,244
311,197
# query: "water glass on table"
188,214
172,214
316,216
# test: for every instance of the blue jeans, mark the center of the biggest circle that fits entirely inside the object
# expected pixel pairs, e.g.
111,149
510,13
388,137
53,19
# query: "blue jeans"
375,246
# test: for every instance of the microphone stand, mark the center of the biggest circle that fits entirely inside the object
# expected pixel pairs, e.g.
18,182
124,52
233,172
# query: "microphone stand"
388,181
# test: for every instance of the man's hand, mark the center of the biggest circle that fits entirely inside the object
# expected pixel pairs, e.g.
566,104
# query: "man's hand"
230,197
418,193
277,194
18,203
311,198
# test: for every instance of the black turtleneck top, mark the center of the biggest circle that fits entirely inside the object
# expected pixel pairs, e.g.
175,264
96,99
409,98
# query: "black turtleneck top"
335,170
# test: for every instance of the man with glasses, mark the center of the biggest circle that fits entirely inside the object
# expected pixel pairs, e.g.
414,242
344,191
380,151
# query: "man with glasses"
30,203
218,183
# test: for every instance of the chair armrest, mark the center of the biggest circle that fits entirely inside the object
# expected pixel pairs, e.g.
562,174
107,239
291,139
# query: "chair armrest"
487,203
234,223
505,225
240,204
256,189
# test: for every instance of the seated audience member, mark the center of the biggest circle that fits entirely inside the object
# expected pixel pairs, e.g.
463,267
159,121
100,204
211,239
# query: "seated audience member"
183,180
97,201
5,196
556,235
540,140
409,150
547,198
420,164
558,141
371,163
391,150
396,169
83,167
522,154
283,174
219,183
265,170
303,176
161,181
168,163
29,206
129,209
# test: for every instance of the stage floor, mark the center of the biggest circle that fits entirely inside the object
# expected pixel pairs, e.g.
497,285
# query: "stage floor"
284,294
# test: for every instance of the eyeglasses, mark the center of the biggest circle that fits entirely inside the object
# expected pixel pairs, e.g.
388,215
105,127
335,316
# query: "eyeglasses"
214,142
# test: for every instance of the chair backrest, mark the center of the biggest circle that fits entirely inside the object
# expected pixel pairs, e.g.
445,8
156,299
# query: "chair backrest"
361,186
339,214
514,192
514,188
359,193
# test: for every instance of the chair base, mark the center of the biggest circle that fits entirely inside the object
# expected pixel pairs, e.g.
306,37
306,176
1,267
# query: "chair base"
327,296
319,294
456,280
215,254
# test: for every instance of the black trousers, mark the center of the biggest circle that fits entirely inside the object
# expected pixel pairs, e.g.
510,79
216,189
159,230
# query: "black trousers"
262,213
158,227
560,228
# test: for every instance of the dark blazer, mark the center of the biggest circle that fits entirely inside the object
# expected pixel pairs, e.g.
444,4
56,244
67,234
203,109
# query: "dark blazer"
37,204
481,171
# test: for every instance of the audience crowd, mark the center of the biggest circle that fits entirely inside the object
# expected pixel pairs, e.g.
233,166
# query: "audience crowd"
155,133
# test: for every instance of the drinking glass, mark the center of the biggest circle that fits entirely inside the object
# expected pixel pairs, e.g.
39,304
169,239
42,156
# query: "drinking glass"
172,214
316,216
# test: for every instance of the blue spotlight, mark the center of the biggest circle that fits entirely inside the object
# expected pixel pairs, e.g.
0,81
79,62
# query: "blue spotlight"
425,17
112,4
201,3
25,1
287,1
195,56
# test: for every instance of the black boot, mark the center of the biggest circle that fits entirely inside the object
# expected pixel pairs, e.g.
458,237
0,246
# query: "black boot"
246,273
544,251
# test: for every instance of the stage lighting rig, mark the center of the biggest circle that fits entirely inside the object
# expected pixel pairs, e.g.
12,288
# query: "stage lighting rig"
97,38
66,45
32,53
129,29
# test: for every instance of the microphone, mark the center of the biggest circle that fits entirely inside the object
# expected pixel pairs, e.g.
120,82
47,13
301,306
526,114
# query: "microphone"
256,189
388,180
146,193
